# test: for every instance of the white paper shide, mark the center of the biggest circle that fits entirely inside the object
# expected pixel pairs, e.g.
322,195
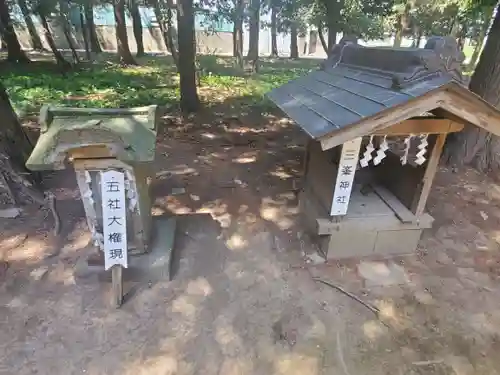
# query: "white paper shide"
345,177
114,218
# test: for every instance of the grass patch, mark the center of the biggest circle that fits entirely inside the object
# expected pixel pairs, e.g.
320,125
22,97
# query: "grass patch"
107,85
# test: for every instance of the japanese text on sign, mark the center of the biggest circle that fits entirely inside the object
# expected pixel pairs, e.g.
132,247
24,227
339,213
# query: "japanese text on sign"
345,177
114,218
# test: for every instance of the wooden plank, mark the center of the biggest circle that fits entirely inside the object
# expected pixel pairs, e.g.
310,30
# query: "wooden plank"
430,172
116,286
413,108
403,213
99,164
90,152
471,108
421,126
406,184
325,226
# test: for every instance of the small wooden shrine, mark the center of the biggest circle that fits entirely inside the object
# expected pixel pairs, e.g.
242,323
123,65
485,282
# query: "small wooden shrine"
112,152
378,119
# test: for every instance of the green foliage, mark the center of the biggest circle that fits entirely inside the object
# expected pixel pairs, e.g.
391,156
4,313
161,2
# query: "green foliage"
154,82
364,19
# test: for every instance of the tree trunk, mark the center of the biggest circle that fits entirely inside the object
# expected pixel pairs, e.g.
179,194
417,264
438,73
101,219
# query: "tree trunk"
95,46
238,32
172,35
474,145
63,14
36,42
52,44
159,14
480,40
13,141
254,23
85,33
14,51
137,26
253,42
333,14
402,24
167,28
121,34
294,48
187,54
322,38
398,37
274,30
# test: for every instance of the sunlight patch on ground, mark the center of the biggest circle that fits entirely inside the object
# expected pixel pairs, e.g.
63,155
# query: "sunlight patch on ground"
281,173
218,210
236,366
32,250
199,287
236,242
184,305
278,212
296,364
373,329
225,335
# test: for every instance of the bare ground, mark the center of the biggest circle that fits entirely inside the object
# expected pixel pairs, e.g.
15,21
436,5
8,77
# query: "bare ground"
243,301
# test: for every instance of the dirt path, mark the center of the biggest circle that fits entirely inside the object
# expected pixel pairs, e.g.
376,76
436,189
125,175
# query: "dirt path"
243,301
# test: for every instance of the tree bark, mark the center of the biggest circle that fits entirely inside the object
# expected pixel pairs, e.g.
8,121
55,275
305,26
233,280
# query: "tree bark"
474,145
172,35
88,7
137,26
238,32
187,53
85,33
36,42
253,42
14,50
121,34
333,14
398,37
402,24
14,143
322,38
479,40
164,18
274,29
294,48
52,44
63,16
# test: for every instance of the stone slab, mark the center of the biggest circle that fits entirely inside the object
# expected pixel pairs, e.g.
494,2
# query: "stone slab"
10,213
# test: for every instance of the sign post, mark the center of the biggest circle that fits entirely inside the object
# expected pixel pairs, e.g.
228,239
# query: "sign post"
114,222
345,177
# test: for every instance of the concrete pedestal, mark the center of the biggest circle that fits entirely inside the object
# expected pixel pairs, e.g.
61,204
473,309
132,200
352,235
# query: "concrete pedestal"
150,267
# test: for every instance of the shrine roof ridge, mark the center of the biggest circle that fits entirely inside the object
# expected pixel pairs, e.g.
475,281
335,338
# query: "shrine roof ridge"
358,90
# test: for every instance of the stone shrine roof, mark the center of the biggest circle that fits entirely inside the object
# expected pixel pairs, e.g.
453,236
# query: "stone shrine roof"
129,134
360,89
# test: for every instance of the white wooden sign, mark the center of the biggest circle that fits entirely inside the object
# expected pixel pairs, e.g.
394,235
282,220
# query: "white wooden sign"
114,218
345,177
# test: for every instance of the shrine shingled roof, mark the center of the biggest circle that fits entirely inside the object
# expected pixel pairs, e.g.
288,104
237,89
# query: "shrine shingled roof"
128,133
360,89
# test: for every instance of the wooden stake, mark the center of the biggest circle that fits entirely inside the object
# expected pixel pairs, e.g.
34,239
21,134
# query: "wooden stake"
116,286
430,172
